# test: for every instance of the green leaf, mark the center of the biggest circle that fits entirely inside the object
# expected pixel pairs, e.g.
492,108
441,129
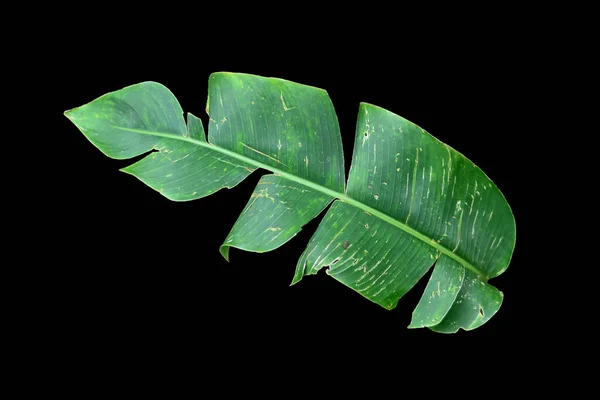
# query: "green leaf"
276,212
287,126
444,285
410,201
376,259
145,117
476,303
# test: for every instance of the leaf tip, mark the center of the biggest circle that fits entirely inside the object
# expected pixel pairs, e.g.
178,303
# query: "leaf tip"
69,114
224,250
126,170
297,278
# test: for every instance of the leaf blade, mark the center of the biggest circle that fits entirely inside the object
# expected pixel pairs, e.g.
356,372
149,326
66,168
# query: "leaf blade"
184,171
275,213
146,117
440,294
286,125
146,105
401,170
476,303
372,257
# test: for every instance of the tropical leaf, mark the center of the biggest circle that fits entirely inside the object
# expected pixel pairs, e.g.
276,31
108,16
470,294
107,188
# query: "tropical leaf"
411,202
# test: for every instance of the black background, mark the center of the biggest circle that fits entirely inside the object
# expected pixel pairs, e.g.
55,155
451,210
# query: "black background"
135,271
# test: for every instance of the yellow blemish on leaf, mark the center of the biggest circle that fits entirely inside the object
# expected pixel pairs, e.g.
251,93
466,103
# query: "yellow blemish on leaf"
260,152
285,107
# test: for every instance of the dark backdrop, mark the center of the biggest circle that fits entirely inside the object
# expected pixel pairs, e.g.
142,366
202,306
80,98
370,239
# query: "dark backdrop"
136,271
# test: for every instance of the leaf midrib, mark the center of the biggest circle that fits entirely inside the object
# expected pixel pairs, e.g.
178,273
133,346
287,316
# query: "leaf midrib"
341,196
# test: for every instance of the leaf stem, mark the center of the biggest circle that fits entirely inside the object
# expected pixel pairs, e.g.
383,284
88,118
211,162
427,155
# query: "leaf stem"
341,196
